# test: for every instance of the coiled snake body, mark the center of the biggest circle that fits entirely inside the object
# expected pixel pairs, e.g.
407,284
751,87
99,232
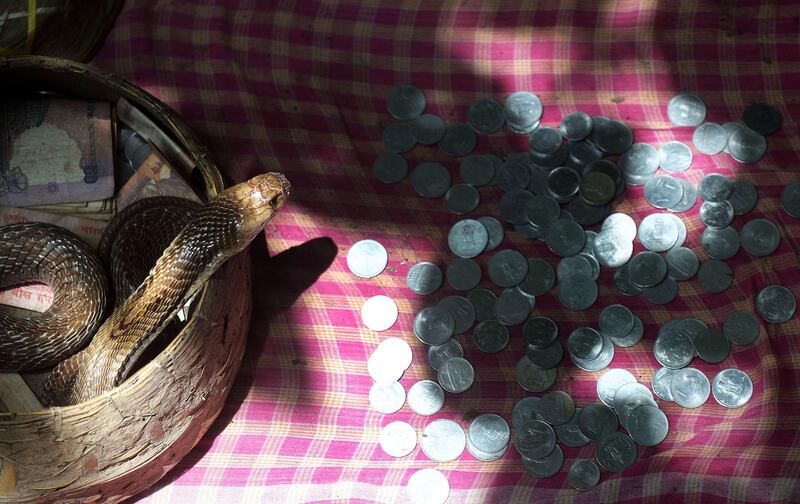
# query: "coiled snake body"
39,252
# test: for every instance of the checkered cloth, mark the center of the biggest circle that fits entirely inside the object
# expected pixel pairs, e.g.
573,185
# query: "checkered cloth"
300,87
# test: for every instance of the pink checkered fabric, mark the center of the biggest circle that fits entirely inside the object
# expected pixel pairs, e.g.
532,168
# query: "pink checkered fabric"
300,87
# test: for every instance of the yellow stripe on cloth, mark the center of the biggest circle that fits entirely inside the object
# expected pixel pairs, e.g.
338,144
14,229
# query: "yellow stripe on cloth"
31,33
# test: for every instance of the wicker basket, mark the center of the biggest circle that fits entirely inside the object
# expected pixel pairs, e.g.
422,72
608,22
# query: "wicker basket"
120,443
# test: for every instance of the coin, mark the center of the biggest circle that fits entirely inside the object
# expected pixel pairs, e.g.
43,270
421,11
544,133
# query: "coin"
760,237
570,434
629,397
512,175
610,382
623,281
744,196
729,128
584,474
601,361
545,141
483,300
641,160
398,439
513,307
513,204
576,126
585,343
732,388
710,138
428,129
494,230
746,146
507,268
620,223
443,440
425,398
741,328
613,137
405,102
476,170
486,116
526,409
563,183
661,293
715,187
542,210
673,349
544,467
462,311
399,137
616,452
428,486
720,243
456,375
524,130
467,238
682,232
661,383
597,420
458,140
657,232
489,433
390,168
577,292
388,362
462,199
546,358
716,215
539,279
633,337
482,455
430,179
491,336
583,213
611,249
535,439
790,199
424,278
688,200
574,264
540,332
367,258
597,188
534,379
648,425
556,407
776,304
686,110
762,118
616,320
438,354
712,346
675,157
463,274
663,192
581,153
690,388
715,276
682,263
688,327
379,313
523,109
647,269
434,325
387,398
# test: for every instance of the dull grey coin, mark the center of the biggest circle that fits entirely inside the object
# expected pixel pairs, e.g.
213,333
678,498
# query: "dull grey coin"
628,398
682,263
462,311
399,137
513,204
663,192
662,293
612,249
616,320
405,102
387,398
741,328
622,280
428,129
507,268
545,467
398,439
390,168
463,274
491,336
715,276
746,146
486,116
585,343
583,213
528,231
729,128
584,474
690,387
776,304
458,140
688,199
716,215
682,232
545,141
565,238
577,292
686,110
640,160
601,361
613,137
483,300
425,398
523,109
675,157
570,434
437,354
513,307
556,407
715,187
762,118
616,452
688,327
513,174
489,433
658,232
720,243
732,388
424,278
648,425
540,332
494,230
367,258
647,269
428,486
456,375
610,382
539,279
790,199
596,420
563,183
760,237
476,170
574,264
434,325
597,188
581,153
548,357
462,199
467,238
430,179
673,349
711,345
661,383
576,126
593,263
526,409
443,440
532,378
710,138
535,439
744,196
542,210
633,337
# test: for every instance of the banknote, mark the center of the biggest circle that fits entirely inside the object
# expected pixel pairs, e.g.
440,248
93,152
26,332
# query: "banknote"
33,297
155,177
55,150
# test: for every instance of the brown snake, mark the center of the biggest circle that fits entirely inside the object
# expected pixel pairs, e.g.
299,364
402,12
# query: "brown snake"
214,233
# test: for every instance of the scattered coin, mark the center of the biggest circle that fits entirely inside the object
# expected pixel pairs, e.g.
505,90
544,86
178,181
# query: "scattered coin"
462,311
657,232
585,343
399,137
675,157
367,258
776,304
686,110
542,210
565,237
584,474
437,354
682,263
629,397
428,486
489,433
574,264
390,168
556,407
597,188
430,179
688,200
491,336
690,388
601,361
462,199
428,129
762,118
405,102
484,456
663,192
576,126
633,337
467,238
597,421
647,269
741,328
715,276
612,250
494,230
540,332
712,346
546,358
387,398
513,204
616,452
563,183
662,380
716,215
577,292
746,146
484,302
648,425
458,140
398,439
790,199
477,170
674,349
616,320
641,160
463,274
424,278
513,174
379,313
534,379
715,187
610,382
662,293
720,243
456,375
513,307
570,433
434,325
710,138
523,109
544,467
443,440
760,237
425,398
732,388
486,116
507,268
686,326
613,137
744,196
535,439
622,279
526,409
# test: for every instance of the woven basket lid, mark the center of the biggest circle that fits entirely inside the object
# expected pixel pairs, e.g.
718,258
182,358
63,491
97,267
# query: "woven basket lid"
61,28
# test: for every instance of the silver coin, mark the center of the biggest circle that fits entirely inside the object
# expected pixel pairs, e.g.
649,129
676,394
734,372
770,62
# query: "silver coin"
776,304
633,337
434,325
712,346
641,160
583,213
540,332
430,179
523,109
613,137
729,128
563,183
438,354
570,433
673,349
489,433
790,199
682,263
715,187
476,170
577,292
601,361
535,439
661,293
425,398
379,313
494,230
687,326
716,215
710,138
720,243
390,168
584,474
616,320
524,130
463,274
389,361
715,276
565,238
628,398
760,237
648,425
484,301
532,378
428,486
513,307
663,192
484,456
526,409
581,153
661,383
486,116
688,200
542,210
744,196
658,232
513,204
682,232
686,110
620,223
576,126
367,258
462,311
467,238
424,278
732,388
545,467
548,357
741,328
405,102
616,452
458,140
512,174
491,336
690,388
622,280
675,157
456,375
539,279
398,439
387,398
462,199
443,440
507,268
428,129
594,264
556,407
762,118
597,420
746,146
610,382
585,343
647,269
528,231
545,141
612,249
574,264
399,137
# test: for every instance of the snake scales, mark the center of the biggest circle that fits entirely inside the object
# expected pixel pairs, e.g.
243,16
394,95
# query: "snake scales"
44,253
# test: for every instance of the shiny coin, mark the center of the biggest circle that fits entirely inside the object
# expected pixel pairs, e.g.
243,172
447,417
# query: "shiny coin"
367,258
467,238
790,199
585,343
577,292
462,311
616,320
544,467
556,407
686,110
546,358
379,313
690,388
390,168
762,118
476,170
399,137
570,433
732,388
430,179
463,274
508,268
456,375
611,249
712,346
641,160
398,439
744,196
542,210
434,325
601,361
715,187
486,116
593,263
673,349
584,474
663,192
513,204
462,199
526,409
576,126
633,337
405,102
746,146
438,354
675,157
443,440
647,269
682,263
729,128
425,398
722,243
387,398
458,140
524,130
540,332
523,109
688,200
545,141
741,328
710,138
512,175
539,279
574,264
622,280
613,137
760,237
616,452
658,232
483,300
648,425
597,188
532,378
428,486
396,350
491,336
661,383
535,439
597,420
484,456
661,293
495,231
424,278
715,276
428,129
563,183
776,304
716,215
628,398
610,382
621,224
513,307
489,433
688,327
682,232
